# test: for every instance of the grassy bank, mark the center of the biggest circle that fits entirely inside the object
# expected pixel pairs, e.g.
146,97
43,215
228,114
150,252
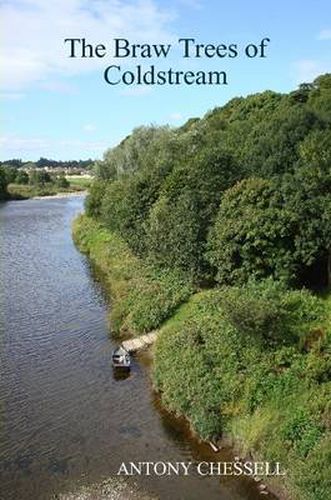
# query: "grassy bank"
142,297
24,192
273,399
251,362
80,181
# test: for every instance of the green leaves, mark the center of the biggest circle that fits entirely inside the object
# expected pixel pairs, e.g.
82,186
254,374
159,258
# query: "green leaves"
3,184
273,228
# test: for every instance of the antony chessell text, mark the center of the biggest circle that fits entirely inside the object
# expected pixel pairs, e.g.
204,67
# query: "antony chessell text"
236,468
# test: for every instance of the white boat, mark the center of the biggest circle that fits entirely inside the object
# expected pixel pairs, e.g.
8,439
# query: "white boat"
121,358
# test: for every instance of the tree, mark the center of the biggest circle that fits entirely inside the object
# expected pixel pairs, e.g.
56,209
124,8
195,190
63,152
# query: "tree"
39,177
173,234
94,199
3,184
189,201
21,177
320,97
249,238
307,197
136,151
61,181
10,172
277,228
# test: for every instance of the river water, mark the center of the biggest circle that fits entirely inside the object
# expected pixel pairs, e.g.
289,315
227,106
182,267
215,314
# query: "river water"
65,421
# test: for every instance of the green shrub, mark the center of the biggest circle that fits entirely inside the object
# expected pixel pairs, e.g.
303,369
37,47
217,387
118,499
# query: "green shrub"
94,199
216,363
3,184
302,431
268,310
62,182
173,234
142,297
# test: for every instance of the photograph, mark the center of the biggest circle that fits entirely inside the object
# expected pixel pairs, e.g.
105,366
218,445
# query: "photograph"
165,250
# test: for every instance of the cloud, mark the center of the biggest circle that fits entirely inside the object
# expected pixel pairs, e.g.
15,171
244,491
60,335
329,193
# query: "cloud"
89,128
307,70
33,33
11,96
15,143
175,117
59,87
12,146
324,34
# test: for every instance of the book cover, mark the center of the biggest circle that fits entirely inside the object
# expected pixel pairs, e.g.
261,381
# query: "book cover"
165,267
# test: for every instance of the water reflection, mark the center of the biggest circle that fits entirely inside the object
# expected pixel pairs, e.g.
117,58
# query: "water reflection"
122,374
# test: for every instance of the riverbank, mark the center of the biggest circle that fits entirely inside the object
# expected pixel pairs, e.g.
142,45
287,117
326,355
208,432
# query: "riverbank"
25,192
143,297
270,398
109,489
67,194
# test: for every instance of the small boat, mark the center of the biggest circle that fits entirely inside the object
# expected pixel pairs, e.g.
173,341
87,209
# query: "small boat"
121,358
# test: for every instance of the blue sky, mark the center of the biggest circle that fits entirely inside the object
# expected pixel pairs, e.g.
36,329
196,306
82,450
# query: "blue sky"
57,107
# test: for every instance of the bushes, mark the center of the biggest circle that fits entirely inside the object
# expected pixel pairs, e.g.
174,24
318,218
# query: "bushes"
173,234
94,199
177,225
142,297
3,184
215,367
249,238
62,182
152,300
268,310
280,229
241,197
168,186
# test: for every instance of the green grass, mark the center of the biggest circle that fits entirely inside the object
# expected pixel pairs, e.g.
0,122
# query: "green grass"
272,398
250,362
22,192
79,181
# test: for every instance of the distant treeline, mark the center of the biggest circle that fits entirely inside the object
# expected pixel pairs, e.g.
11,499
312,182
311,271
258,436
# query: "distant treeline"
40,173
243,192
44,162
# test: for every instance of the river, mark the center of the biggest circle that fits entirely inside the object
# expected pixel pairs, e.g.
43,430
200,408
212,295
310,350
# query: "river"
65,420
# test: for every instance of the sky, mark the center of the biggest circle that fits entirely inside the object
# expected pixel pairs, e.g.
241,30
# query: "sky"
59,107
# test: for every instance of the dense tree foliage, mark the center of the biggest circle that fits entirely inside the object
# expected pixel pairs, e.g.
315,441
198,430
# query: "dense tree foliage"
250,236
45,162
282,229
18,183
40,177
61,181
3,184
240,198
242,192
229,361
21,177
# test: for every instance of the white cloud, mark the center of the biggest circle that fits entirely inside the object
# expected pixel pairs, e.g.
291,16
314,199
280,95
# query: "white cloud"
307,70
16,143
33,33
11,96
60,87
89,128
176,117
12,146
325,34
